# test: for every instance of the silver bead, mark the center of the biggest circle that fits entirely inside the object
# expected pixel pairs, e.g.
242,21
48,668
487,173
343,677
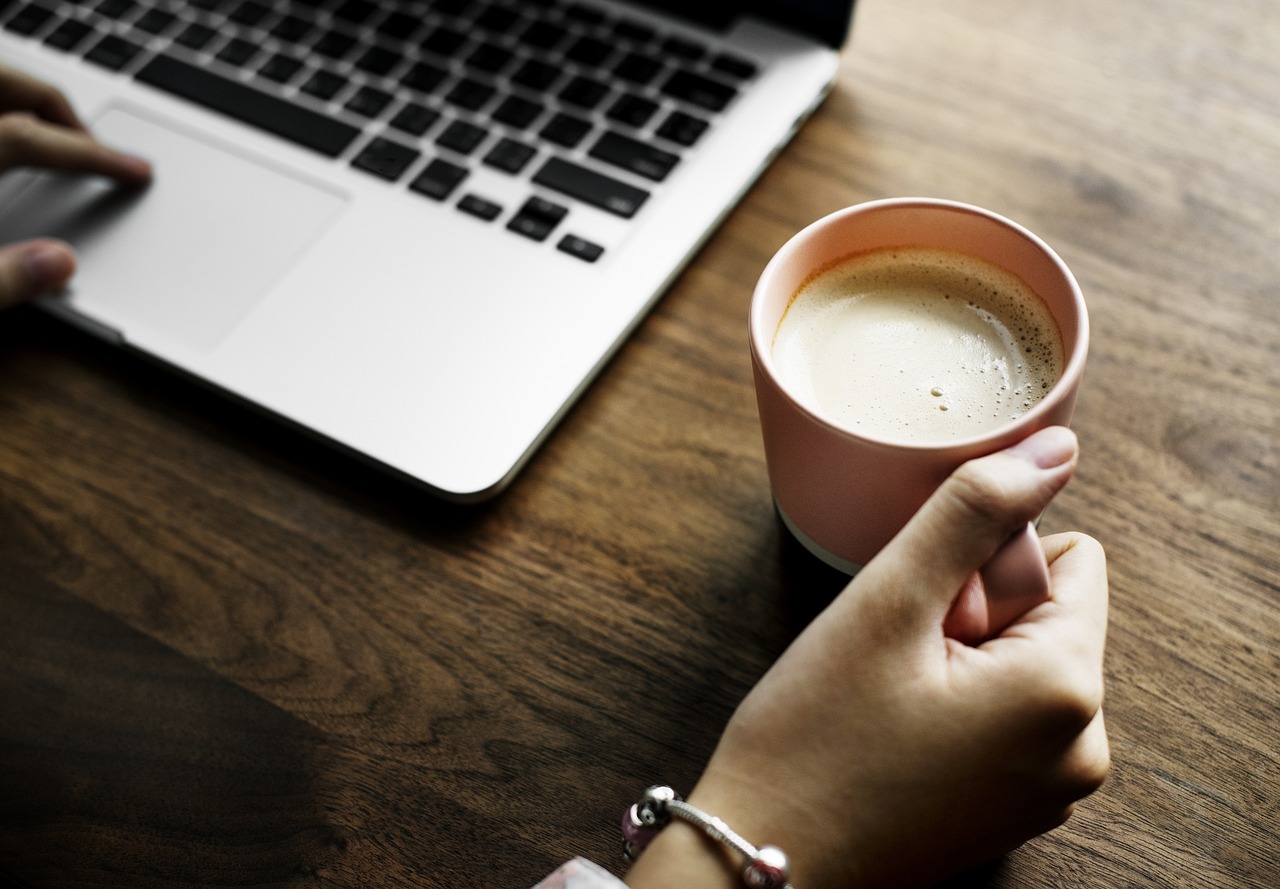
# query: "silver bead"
770,869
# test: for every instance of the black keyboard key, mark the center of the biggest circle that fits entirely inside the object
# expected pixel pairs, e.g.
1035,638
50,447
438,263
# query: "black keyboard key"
566,130
280,68
633,110
734,66
590,187
444,41
461,137
378,61
399,26
334,44
155,21
317,132
698,90
368,101
237,52
480,207
250,13
438,179
497,19
537,218
113,52
490,58
291,29
385,159
584,92
587,15
414,119
356,12
518,112
634,156
536,75
638,68
424,77
543,35
683,129
470,94
510,156
68,35
588,51
114,9
196,36
580,247
29,19
324,84
634,31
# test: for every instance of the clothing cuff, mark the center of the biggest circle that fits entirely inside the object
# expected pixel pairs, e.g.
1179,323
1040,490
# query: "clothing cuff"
581,874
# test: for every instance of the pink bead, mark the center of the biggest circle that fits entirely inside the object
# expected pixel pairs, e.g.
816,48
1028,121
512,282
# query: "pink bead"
634,832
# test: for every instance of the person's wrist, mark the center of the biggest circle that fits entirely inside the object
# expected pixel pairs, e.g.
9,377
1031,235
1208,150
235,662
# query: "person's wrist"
681,855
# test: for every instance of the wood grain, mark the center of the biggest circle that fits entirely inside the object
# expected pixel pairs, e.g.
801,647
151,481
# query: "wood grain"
236,658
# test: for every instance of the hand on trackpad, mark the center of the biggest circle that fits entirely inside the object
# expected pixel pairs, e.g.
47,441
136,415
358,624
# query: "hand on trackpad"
185,258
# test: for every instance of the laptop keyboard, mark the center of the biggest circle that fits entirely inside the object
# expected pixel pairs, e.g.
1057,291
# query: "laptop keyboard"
581,105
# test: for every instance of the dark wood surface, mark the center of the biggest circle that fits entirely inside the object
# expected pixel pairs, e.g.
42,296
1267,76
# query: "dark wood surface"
231,657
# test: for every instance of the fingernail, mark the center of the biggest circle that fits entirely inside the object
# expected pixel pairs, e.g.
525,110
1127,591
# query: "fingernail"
1048,448
47,266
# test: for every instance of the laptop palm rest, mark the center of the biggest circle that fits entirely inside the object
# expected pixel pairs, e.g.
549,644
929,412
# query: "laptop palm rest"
183,259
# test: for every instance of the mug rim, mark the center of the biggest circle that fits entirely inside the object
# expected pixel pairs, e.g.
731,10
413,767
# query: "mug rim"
762,341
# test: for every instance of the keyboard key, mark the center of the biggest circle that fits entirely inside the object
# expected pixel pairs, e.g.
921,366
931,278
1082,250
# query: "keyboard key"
385,159
497,19
590,187
510,156
355,11
399,26
583,92
638,68
565,129
543,35
324,84
114,9
438,179
68,35
444,41
683,129
113,52
461,137
699,90
250,13
580,247
196,36
490,58
537,218
237,52
536,75
317,132
587,15
378,61
424,77
368,102
634,31
735,66
634,156
291,29
470,94
155,21
334,44
684,49
588,51
414,119
480,207
280,68
29,19
517,112
633,110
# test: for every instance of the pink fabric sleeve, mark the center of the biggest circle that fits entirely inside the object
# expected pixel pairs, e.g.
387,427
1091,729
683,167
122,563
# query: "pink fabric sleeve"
581,874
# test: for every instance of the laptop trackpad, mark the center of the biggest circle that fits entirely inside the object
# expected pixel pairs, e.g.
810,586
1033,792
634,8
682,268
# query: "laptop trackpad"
185,258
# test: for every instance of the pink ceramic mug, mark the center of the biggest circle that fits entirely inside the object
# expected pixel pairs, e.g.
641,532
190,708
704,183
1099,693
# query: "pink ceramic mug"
843,494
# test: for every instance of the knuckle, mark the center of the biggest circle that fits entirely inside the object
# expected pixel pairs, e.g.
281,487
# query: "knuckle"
981,489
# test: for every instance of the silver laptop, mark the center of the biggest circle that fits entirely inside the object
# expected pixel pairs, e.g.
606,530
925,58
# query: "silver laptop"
415,229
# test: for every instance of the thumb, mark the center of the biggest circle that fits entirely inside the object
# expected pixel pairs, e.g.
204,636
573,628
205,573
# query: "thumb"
975,511
33,268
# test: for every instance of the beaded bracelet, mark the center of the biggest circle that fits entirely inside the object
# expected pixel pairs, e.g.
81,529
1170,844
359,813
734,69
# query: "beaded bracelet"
763,868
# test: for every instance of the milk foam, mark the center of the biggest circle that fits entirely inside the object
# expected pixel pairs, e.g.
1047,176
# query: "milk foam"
918,344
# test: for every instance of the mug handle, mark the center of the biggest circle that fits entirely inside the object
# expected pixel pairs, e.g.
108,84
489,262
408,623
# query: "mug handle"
1016,579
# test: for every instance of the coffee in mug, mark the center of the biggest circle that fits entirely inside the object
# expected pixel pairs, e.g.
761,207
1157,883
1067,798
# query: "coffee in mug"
926,333
918,344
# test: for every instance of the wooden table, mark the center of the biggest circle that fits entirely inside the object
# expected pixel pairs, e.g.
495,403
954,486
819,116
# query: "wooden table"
231,657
